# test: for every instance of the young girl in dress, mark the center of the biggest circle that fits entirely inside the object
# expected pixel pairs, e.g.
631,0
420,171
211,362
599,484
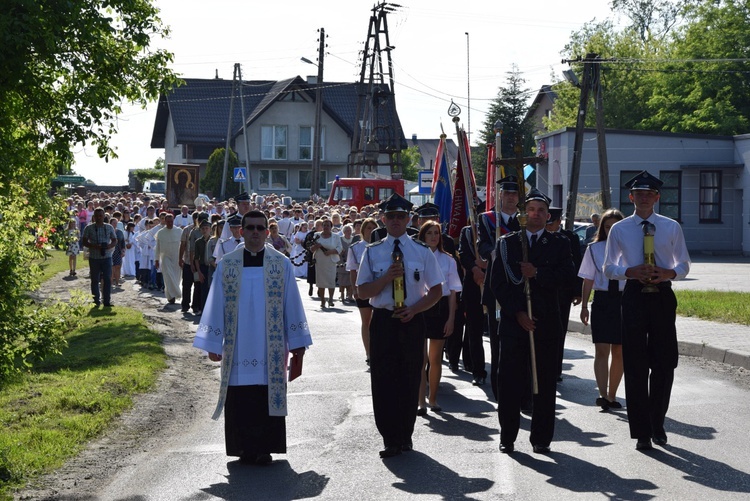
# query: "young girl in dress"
73,237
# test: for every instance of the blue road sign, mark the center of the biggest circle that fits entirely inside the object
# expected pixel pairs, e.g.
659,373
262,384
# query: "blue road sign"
240,175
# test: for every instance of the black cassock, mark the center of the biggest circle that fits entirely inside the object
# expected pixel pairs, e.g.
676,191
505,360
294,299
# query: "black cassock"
551,256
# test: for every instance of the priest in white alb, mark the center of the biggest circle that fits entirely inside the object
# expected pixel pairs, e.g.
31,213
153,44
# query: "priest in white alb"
167,257
252,320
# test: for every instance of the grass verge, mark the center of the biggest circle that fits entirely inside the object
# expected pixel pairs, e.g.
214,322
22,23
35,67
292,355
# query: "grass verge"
56,261
716,306
50,413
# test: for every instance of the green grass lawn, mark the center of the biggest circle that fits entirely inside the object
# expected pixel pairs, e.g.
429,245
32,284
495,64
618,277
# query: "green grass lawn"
726,307
56,261
49,414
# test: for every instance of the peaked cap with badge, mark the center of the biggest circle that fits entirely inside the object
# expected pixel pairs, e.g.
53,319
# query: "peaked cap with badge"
395,203
535,195
428,210
508,183
242,197
235,220
644,181
555,213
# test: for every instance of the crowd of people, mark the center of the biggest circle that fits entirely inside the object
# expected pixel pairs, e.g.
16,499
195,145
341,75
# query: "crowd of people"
422,297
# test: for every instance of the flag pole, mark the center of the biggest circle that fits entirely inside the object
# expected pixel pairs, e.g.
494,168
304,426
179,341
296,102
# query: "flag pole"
471,209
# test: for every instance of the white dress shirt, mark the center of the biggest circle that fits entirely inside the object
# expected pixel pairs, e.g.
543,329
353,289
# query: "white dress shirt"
625,246
421,270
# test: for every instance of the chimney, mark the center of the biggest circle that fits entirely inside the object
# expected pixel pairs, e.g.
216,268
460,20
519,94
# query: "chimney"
217,74
312,79
414,138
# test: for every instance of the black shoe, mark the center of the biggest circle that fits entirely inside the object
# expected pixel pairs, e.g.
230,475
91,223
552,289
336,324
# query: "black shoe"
263,459
660,441
422,411
541,449
507,448
603,403
185,310
108,305
453,367
479,381
614,404
643,445
390,451
407,447
309,292
559,378
436,408
97,303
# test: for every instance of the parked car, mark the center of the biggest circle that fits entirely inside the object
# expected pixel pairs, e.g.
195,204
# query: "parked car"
585,233
156,186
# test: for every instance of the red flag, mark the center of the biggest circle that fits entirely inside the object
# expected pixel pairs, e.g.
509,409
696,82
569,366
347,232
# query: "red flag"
462,199
490,192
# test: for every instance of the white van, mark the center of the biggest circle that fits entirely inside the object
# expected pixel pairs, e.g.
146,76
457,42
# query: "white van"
155,186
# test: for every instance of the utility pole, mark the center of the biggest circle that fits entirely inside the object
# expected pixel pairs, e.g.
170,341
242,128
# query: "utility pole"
591,78
236,87
315,175
601,140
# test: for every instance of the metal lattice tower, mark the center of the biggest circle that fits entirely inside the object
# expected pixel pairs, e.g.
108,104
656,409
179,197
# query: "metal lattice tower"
376,129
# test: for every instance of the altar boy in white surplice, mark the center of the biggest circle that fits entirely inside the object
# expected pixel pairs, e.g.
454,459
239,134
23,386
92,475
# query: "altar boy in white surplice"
252,319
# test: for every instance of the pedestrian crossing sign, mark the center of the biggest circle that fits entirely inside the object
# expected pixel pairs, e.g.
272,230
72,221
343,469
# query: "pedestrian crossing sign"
240,175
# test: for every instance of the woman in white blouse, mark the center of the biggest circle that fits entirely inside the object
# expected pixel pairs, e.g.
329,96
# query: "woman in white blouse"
439,318
605,314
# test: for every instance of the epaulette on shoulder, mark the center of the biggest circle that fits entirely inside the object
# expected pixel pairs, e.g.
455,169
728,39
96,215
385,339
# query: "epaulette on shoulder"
416,240
373,244
511,234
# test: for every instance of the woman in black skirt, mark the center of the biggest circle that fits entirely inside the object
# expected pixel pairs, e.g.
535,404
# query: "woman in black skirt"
605,314
439,319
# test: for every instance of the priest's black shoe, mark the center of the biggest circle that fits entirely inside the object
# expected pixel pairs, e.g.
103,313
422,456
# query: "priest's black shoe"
263,459
643,444
542,449
660,441
390,451
506,448
407,447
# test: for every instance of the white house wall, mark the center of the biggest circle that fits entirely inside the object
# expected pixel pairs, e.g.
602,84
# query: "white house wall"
655,153
172,151
295,114
742,156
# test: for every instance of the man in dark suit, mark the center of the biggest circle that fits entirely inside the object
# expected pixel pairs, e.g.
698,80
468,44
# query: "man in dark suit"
548,266
506,217
570,293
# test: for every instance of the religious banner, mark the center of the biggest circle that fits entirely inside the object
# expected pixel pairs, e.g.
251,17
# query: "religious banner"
463,202
489,201
182,184
441,182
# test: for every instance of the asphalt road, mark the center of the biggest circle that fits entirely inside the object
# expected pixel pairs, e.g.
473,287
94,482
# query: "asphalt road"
333,444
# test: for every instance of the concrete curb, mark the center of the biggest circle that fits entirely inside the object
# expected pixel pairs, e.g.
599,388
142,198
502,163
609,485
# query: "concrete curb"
735,358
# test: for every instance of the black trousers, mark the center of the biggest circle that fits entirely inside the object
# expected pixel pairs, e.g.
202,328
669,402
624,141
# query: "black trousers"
187,284
458,342
514,385
649,352
396,358
492,330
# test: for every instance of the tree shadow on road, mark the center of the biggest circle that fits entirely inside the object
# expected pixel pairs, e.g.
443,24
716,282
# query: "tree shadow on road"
420,474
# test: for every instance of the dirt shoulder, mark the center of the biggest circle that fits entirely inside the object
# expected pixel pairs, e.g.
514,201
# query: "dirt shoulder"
186,385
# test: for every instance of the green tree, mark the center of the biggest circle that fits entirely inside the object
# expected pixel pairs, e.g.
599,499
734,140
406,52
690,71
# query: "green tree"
66,68
159,163
211,180
705,89
410,163
510,108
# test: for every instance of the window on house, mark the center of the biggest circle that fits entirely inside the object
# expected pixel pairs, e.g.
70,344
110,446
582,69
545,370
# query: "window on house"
305,180
709,209
626,206
273,142
307,140
272,179
669,194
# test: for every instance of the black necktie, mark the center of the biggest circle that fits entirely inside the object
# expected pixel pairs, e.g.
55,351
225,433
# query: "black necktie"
533,241
396,244
238,241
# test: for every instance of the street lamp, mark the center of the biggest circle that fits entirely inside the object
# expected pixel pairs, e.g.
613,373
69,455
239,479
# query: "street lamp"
315,175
